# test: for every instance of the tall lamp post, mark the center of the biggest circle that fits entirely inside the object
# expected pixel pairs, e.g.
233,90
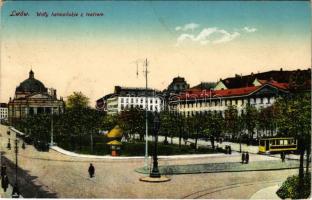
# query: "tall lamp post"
154,175
52,142
15,192
155,172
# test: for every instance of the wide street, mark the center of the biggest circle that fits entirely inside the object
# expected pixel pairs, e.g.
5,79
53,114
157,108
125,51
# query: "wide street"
52,174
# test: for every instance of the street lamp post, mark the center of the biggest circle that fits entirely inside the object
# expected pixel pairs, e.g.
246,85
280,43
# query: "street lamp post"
52,142
155,172
146,113
15,192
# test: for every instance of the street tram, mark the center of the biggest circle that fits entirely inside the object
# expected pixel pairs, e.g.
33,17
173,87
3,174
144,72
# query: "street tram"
277,145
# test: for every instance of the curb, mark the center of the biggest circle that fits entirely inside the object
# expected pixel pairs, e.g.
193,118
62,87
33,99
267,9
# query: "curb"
107,157
202,168
227,171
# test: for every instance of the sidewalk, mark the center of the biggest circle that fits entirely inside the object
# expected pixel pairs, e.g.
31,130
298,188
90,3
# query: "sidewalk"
266,193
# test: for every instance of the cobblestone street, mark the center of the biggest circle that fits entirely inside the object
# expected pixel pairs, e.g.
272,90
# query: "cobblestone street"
57,175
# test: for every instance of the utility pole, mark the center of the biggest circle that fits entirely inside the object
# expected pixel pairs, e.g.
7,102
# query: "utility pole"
91,141
146,113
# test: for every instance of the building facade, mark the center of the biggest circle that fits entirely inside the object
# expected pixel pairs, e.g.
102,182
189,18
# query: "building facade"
125,98
218,101
31,98
3,112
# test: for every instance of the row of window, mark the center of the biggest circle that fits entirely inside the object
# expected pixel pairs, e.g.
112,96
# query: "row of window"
126,100
125,107
228,102
193,113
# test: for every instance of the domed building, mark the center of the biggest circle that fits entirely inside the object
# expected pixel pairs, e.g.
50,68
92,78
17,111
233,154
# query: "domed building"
31,98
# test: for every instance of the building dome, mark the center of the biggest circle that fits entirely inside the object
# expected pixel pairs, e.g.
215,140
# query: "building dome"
31,85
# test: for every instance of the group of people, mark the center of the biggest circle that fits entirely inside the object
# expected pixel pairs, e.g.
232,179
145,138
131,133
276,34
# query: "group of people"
245,158
4,178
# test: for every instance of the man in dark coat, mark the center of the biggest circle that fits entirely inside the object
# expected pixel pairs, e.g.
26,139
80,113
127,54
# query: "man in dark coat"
3,171
91,170
5,183
243,157
283,156
247,158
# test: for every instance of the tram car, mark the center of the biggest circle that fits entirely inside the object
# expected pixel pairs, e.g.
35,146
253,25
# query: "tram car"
277,145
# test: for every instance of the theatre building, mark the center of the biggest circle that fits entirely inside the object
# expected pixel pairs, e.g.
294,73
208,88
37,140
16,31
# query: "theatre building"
31,98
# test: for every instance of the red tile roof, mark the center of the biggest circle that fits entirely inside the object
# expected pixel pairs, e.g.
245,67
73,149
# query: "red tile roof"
200,94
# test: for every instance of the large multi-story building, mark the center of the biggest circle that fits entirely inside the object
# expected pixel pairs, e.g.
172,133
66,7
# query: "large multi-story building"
3,112
125,98
195,102
31,98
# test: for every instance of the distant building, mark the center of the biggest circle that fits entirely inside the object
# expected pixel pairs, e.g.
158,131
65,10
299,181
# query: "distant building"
31,98
3,112
125,98
101,104
204,86
298,80
177,86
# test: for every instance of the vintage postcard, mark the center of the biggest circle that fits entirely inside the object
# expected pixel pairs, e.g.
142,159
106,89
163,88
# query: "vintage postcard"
155,99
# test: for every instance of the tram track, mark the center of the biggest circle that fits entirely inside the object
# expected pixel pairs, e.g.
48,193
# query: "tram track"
202,193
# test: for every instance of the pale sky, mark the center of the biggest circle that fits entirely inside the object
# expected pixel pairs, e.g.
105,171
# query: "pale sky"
201,41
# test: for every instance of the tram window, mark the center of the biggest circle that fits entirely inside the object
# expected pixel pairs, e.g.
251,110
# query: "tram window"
262,143
272,142
277,142
285,142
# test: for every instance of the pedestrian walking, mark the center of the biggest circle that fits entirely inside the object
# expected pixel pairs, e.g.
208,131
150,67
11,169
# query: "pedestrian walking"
5,183
15,192
243,157
230,150
283,156
3,171
91,170
247,157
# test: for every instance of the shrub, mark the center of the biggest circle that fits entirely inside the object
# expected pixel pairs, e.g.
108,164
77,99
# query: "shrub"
289,188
